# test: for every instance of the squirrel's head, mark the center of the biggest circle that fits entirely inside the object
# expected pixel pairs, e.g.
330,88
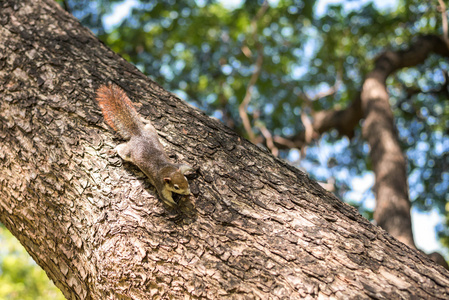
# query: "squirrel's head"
177,183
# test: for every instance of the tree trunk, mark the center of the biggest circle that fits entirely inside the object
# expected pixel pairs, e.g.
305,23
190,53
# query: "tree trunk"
254,228
389,164
392,199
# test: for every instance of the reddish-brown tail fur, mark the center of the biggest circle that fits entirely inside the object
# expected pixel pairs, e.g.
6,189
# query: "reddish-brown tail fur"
118,110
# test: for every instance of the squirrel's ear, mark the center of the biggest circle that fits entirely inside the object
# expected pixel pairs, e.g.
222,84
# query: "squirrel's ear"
167,179
185,168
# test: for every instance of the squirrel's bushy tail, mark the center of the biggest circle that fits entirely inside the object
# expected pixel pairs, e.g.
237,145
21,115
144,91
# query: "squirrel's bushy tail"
118,111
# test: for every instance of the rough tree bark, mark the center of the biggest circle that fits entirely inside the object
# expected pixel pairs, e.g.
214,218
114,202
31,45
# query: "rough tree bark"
254,228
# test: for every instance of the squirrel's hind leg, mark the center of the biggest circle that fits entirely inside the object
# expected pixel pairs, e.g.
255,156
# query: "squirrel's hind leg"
124,151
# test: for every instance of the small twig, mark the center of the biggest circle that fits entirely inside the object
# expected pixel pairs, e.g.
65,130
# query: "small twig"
255,76
330,91
305,119
308,126
269,139
244,105
444,21
246,51
285,142
259,15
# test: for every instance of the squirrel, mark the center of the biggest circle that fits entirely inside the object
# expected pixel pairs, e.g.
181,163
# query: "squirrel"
143,147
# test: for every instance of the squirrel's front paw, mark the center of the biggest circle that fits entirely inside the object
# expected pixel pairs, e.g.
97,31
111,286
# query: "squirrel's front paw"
168,199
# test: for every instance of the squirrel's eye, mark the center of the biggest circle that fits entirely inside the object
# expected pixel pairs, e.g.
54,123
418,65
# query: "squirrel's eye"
176,187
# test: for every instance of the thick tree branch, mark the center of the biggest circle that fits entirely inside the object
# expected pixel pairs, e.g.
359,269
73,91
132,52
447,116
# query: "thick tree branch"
392,200
345,120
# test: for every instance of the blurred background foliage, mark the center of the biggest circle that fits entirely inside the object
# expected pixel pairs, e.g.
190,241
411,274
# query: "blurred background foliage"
207,52
20,277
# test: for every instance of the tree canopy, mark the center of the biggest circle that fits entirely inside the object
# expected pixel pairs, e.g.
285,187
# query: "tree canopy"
20,277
